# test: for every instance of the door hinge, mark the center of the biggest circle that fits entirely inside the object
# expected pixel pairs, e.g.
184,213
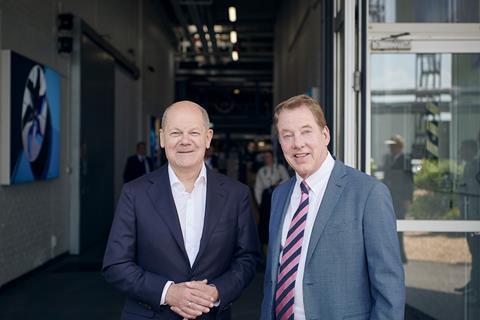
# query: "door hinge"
357,80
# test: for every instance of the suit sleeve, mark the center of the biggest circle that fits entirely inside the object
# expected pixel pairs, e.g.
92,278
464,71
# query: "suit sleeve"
387,282
119,264
244,262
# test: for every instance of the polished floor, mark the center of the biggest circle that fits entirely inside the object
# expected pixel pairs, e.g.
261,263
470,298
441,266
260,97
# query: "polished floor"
71,288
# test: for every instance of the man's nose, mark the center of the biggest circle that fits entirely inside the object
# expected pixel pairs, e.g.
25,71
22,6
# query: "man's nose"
185,138
298,141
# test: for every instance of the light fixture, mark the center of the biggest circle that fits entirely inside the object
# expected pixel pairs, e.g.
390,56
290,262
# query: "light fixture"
232,14
233,36
235,55
236,91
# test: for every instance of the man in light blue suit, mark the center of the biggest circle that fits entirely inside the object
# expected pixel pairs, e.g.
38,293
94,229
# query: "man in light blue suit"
334,250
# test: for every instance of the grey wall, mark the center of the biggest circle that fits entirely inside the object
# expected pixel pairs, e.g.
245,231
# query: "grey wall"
33,214
297,49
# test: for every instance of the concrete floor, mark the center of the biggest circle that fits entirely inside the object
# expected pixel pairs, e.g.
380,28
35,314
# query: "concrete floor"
71,288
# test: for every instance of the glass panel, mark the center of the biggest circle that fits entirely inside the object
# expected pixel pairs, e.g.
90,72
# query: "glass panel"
428,11
425,133
442,276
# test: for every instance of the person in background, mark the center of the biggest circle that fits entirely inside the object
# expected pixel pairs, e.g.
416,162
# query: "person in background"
183,243
333,250
399,180
469,203
268,177
138,164
211,159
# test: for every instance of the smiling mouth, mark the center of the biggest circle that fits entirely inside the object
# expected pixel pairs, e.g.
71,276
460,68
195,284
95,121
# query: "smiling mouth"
301,155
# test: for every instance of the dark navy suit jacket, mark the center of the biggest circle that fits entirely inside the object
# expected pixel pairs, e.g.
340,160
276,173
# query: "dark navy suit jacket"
146,248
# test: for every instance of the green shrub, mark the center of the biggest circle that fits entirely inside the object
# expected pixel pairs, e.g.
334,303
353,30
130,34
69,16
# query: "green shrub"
434,196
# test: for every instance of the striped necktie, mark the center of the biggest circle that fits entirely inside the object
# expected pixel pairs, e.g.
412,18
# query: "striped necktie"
285,292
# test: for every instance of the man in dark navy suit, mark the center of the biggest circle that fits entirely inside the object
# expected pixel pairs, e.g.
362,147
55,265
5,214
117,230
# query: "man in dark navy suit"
137,164
183,243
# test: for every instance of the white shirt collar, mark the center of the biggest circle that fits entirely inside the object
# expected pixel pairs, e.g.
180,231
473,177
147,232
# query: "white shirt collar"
177,184
314,180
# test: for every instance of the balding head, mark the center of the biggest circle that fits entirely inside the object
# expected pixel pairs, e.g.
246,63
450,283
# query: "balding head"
185,135
186,106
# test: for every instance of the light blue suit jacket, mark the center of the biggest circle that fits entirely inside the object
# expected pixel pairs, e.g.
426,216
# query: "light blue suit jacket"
353,268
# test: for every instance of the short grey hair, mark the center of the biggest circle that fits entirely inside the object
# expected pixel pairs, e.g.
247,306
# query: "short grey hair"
206,119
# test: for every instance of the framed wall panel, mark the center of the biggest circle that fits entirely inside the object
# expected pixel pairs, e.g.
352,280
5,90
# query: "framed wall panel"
29,120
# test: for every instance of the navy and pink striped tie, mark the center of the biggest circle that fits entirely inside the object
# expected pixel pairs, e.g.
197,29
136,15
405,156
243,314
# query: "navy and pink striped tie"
285,293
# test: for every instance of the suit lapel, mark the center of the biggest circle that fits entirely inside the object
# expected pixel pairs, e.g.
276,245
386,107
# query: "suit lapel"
278,216
214,208
333,191
160,194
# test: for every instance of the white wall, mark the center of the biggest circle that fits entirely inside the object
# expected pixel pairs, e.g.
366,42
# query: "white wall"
31,214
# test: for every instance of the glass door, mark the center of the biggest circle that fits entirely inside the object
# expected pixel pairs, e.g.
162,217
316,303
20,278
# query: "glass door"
423,142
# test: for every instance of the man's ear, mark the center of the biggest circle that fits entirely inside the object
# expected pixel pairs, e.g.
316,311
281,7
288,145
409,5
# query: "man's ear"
209,137
162,138
326,134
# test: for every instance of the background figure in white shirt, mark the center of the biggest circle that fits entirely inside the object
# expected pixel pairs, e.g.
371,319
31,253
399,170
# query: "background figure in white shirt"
268,177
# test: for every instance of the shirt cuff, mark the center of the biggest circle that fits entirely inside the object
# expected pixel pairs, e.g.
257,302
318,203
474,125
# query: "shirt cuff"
164,292
216,303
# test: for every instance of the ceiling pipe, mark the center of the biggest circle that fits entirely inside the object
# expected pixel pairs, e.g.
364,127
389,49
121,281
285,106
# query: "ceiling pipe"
212,33
183,22
194,14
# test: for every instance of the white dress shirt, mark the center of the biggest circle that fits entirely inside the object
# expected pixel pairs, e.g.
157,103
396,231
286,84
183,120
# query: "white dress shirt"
317,183
191,214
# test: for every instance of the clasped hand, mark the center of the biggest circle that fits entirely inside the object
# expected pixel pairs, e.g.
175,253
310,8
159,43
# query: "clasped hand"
191,299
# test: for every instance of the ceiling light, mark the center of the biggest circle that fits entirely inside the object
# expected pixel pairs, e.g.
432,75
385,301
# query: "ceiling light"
235,55
232,14
236,91
233,36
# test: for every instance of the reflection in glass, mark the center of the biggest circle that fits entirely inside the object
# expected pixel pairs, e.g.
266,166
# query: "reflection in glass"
425,115
439,267
425,133
428,11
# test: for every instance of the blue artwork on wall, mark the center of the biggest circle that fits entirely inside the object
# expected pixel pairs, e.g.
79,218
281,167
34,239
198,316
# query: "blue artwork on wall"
31,111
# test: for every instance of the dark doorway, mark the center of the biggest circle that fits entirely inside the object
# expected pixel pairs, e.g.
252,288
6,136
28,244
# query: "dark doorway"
97,143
